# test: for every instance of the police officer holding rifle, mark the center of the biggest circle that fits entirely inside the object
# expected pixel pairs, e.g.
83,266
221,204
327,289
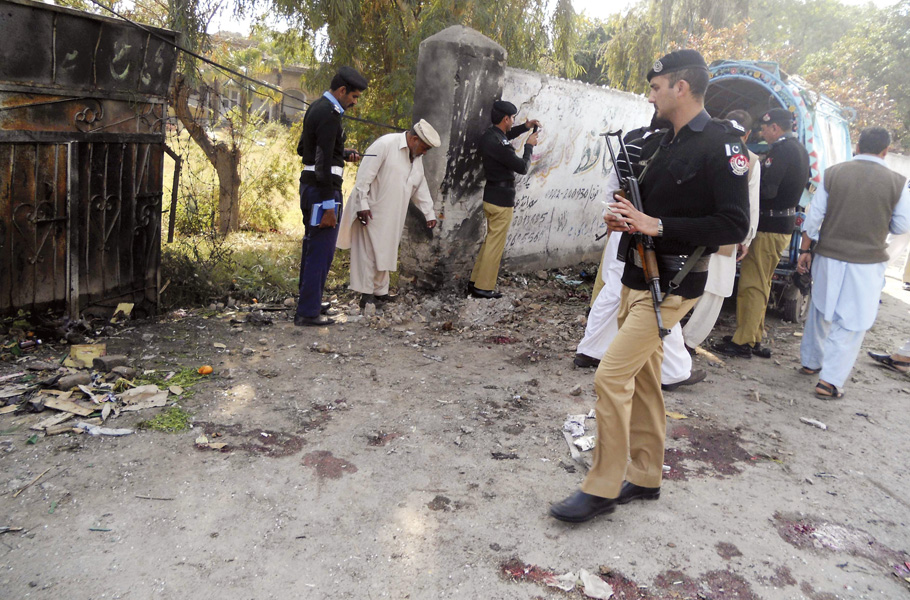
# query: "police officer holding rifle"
693,193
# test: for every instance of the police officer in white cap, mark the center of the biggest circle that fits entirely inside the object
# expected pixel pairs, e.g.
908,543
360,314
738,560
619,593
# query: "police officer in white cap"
390,175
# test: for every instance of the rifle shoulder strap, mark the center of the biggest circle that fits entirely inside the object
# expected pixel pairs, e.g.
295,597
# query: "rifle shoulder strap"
687,266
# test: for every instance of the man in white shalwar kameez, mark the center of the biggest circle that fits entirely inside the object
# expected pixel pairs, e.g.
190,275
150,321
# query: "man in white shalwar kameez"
602,326
722,267
856,205
390,175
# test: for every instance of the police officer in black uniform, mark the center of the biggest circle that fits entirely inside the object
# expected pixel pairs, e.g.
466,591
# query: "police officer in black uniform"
500,164
321,147
784,175
694,193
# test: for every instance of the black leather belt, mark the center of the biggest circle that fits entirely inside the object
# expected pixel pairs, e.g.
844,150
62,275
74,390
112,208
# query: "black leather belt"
787,212
674,262
502,184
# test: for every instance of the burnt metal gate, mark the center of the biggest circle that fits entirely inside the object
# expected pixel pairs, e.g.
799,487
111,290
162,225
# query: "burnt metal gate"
82,113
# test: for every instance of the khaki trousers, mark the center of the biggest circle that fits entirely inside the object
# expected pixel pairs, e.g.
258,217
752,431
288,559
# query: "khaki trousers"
755,285
486,268
631,418
365,278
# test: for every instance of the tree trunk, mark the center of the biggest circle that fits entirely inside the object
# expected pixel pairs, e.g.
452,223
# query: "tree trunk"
225,158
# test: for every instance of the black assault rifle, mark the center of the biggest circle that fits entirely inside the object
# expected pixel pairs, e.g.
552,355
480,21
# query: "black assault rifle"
644,244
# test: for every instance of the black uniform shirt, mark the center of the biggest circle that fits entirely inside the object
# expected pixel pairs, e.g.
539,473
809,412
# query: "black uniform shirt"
322,145
697,185
784,175
500,163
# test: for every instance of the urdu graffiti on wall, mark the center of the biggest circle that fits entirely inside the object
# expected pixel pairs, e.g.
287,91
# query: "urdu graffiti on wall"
559,203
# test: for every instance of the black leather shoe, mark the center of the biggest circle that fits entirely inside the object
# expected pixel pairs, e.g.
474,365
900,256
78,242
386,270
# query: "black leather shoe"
630,492
694,377
366,299
386,298
488,294
326,309
471,287
320,321
584,361
728,348
758,350
580,507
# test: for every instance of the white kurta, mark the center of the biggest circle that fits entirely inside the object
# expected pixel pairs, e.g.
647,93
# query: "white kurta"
602,324
843,292
385,184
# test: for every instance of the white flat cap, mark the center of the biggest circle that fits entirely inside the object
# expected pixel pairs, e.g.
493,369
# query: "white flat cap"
426,133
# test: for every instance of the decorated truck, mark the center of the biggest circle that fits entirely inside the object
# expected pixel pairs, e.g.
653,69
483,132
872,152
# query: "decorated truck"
822,126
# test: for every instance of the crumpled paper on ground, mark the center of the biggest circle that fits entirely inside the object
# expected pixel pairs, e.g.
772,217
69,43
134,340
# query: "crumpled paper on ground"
594,586
575,425
585,443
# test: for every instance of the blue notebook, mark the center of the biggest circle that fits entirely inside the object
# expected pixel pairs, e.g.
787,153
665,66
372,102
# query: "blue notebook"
318,211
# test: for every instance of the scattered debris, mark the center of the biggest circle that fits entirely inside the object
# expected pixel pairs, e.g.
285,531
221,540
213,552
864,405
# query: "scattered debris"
595,587
814,423
675,415
203,442
68,382
585,443
142,397
122,312
504,456
31,483
575,425
82,356
95,430
109,362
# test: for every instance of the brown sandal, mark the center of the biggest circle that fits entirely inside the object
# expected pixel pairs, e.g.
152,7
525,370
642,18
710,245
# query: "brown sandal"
808,371
826,391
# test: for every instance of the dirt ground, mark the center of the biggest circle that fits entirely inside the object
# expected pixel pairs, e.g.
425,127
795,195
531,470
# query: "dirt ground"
414,454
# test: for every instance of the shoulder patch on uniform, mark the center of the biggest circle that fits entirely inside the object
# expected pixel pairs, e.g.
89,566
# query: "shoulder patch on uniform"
768,162
739,164
506,143
733,149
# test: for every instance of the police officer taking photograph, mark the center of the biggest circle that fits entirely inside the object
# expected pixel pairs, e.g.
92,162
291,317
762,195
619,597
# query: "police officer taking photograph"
500,164
784,175
321,147
694,193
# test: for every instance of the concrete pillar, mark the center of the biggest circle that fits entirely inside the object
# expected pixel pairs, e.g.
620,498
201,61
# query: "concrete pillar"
459,74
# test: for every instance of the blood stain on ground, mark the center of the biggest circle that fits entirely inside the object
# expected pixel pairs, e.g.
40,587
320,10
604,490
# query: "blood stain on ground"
516,570
781,578
327,466
821,535
727,550
705,451
714,584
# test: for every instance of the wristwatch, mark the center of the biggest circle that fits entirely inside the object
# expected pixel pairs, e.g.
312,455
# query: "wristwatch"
801,251
660,228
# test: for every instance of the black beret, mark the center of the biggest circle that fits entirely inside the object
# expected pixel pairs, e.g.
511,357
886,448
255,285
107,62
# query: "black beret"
352,78
781,116
676,61
506,108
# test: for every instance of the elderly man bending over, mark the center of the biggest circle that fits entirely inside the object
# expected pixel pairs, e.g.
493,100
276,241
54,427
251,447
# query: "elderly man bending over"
390,176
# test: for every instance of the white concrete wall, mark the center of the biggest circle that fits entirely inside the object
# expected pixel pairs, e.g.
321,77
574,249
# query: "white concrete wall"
899,163
558,205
